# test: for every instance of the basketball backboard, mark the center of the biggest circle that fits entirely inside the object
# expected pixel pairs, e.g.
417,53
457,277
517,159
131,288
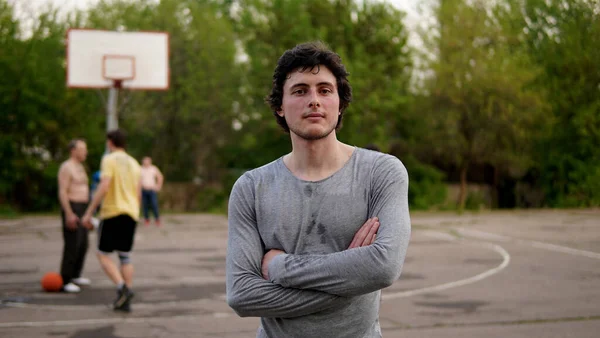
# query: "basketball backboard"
137,60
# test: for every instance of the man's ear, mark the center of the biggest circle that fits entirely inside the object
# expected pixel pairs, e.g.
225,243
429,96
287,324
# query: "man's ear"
280,112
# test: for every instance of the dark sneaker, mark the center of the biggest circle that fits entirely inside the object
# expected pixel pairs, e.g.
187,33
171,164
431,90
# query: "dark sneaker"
123,301
125,308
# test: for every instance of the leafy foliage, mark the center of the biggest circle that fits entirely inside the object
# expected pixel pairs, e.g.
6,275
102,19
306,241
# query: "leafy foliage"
507,85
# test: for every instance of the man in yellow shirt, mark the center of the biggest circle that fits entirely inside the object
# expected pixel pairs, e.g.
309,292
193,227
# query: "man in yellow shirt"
120,187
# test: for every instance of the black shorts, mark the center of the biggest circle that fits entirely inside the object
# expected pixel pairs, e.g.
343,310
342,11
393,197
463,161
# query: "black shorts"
116,234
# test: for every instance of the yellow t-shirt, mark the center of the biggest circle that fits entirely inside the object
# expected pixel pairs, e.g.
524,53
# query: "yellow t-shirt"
122,195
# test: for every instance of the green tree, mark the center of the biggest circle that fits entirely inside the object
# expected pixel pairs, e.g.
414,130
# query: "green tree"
371,39
481,108
38,115
563,37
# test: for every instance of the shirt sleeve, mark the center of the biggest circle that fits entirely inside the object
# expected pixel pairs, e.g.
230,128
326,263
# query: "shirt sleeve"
107,167
248,293
360,270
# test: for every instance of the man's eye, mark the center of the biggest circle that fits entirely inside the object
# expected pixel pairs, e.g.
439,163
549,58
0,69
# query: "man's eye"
298,92
326,91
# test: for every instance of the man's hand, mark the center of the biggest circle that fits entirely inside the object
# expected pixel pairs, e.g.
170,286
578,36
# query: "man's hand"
267,259
366,234
86,221
72,221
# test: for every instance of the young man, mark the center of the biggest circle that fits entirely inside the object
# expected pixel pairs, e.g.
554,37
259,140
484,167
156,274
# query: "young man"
315,235
73,194
121,190
152,180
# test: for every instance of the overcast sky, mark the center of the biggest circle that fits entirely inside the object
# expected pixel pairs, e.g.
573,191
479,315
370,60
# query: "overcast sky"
409,6
404,4
24,7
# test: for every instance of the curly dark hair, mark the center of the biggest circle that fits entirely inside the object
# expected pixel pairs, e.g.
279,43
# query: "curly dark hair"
309,56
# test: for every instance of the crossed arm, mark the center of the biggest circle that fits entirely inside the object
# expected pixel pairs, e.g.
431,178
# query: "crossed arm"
247,292
364,269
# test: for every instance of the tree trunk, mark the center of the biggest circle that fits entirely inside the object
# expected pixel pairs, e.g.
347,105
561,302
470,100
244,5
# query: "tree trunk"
462,196
495,189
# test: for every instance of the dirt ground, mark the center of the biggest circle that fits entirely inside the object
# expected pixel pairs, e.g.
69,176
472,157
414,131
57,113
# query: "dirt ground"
488,274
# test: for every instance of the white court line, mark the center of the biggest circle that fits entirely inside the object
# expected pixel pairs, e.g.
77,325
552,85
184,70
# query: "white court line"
535,244
559,248
439,235
484,235
147,306
198,281
158,281
98,321
454,284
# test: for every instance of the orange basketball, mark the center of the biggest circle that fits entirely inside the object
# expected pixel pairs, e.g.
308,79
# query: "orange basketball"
52,282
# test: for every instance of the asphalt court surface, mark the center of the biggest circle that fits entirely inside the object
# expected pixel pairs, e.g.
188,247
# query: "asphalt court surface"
488,274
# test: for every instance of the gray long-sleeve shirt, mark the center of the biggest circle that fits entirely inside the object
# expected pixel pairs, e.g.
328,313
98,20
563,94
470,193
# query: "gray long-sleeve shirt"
319,288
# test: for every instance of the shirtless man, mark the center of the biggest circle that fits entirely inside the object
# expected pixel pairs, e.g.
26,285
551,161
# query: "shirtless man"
73,193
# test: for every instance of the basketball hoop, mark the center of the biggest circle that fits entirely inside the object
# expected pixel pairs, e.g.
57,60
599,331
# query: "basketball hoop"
118,68
115,61
100,59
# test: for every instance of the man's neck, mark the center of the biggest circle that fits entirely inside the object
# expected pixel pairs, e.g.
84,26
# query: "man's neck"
314,160
74,160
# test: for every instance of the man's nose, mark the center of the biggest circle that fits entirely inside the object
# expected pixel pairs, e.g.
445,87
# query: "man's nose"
314,100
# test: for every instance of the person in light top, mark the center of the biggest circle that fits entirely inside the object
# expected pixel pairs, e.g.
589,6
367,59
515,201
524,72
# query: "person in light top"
152,180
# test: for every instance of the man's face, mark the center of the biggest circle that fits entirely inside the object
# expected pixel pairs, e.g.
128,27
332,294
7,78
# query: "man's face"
311,103
80,151
146,161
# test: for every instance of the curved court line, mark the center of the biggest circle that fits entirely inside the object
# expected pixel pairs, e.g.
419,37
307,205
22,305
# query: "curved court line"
135,320
155,282
563,249
462,282
534,244
145,306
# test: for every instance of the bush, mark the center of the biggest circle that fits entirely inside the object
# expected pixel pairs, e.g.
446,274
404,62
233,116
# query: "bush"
475,201
584,190
212,199
7,211
215,198
426,188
